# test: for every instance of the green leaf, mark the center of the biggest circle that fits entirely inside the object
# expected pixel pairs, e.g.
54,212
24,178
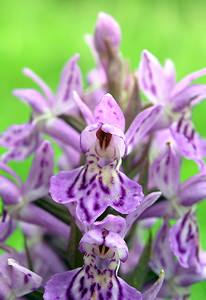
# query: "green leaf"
37,295
138,277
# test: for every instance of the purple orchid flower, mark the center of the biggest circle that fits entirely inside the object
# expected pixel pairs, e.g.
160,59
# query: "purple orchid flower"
177,279
159,85
17,196
164,174
103,248
16,280
99,183
22,140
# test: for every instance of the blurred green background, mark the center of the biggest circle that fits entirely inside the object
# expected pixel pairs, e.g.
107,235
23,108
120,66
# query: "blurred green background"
43,34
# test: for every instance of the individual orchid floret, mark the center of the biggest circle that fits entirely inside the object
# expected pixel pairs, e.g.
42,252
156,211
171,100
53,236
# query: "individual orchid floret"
159,85
164,174
103,249
48,102
16,280
177,279
100,184
23,140
107,34
17,196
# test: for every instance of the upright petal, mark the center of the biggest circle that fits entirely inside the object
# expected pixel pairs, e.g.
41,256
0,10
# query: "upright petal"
33,98
37,184
109,112
70,81
184,239
43,86
23,280
112,223
142,125
165,171
84,109
151,78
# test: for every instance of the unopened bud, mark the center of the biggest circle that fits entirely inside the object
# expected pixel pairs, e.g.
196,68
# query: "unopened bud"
107,34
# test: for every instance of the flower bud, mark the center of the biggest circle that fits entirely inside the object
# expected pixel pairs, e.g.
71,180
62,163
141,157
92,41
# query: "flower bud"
107,34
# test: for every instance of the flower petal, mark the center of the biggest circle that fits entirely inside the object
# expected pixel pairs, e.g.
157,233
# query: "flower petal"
33,98
162,256
6,226
77,284
9,192
20,140
109,112
37,184
193,190
184,239
70,81
151,78
84,109
60,130
188,142
186,81
23,280
43,86
146,202
94,189
165,171
141,126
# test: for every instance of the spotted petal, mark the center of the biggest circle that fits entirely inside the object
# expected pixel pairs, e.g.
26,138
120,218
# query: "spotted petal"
23,281
33,98
151,77
191,95
78,284
165,171
188,141
142,125
94,189
184,239
20,140
37,184
109,112
70,81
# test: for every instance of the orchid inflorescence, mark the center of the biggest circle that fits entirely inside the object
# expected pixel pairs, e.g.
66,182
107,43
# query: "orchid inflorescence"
89,230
